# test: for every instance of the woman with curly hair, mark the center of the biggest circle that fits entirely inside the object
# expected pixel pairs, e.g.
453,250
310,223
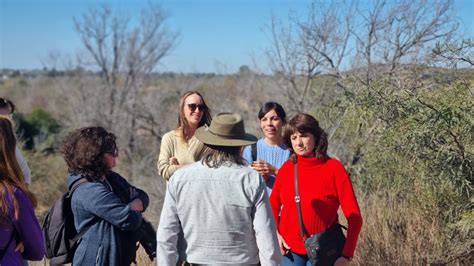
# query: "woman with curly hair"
20,234
90,153
179,146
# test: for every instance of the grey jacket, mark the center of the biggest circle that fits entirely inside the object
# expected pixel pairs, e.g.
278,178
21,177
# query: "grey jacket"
223,214
100,244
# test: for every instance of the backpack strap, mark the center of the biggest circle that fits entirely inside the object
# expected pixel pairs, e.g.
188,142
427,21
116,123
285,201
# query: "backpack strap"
75,185
254,151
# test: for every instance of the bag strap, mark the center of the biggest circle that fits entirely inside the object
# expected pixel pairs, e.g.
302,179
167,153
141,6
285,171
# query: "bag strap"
298,206
254,151
4,251
75,185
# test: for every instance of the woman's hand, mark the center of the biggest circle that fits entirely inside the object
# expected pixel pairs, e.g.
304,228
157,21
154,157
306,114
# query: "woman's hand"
284,248
342,262
136,205
173,161
264,168
20,247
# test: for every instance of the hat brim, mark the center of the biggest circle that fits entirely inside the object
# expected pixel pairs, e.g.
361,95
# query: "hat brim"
207,137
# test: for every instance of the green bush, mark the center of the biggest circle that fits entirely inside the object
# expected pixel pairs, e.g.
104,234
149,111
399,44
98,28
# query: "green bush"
38,129
410,155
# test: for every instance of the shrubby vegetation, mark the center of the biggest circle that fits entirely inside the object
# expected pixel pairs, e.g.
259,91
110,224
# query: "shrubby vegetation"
37,129
413,170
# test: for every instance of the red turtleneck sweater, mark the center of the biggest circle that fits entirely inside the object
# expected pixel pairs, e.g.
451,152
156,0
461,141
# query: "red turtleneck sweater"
323,186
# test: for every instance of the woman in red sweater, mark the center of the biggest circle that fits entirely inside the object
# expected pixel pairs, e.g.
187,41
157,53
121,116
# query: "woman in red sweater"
323,185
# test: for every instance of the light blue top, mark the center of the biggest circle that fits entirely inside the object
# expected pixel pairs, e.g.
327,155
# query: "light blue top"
274,155
222,213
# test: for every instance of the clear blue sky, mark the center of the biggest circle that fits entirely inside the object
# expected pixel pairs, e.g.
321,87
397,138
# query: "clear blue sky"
215,35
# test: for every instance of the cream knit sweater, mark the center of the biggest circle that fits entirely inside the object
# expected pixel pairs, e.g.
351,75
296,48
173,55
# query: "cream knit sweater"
172,145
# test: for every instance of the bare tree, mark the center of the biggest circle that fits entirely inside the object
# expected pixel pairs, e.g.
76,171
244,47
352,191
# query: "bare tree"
307,48
290,65
394,35
381,40
455,54
122,53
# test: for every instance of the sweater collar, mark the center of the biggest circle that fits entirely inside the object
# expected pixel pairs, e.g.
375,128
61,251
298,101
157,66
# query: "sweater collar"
309,161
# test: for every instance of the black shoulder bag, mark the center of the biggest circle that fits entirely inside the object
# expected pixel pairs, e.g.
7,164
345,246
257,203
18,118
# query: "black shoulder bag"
325,247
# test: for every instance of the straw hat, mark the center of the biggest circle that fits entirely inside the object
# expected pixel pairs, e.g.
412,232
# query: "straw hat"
226,129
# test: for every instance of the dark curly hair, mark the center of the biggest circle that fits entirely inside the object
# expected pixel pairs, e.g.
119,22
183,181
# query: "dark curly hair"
83,148
306,123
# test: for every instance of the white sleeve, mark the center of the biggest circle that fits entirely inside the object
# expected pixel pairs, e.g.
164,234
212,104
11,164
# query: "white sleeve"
167,233
24,166
265,230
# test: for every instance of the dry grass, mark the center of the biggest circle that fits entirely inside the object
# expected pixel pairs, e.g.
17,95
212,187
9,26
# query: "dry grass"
49,174
396,233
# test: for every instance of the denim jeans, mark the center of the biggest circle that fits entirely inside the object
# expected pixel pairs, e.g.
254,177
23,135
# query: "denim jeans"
295,259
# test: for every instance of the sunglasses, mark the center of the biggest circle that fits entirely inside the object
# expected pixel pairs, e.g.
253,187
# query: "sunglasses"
194,106
114,152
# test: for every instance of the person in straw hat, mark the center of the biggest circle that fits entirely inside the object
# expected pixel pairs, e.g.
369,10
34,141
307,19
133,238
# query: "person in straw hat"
219,205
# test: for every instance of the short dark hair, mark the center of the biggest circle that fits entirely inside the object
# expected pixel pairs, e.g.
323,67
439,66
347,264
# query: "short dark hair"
306,123
268,106
5,103
215,156
83,148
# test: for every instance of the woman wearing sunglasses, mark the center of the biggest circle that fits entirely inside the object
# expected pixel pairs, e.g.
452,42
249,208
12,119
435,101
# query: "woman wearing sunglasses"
179,146
106,207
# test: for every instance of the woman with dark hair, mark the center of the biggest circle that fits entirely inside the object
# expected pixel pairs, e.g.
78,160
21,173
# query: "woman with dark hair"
90,154
323,186
218,206
179,146
7,108
270,152
20,234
